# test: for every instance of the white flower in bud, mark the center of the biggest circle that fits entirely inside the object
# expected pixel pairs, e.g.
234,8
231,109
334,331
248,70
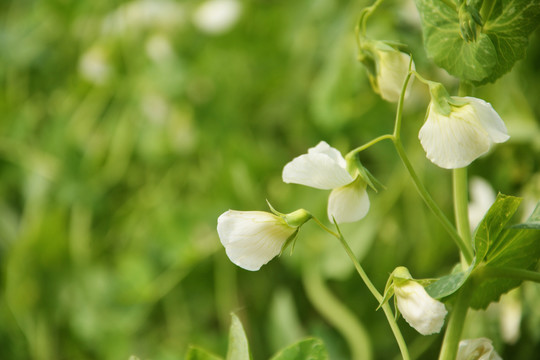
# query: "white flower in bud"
477,349
323,167
253,238
456,139
420,310
392,69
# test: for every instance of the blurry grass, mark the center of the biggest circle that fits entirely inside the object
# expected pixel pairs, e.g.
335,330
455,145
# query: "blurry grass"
112,177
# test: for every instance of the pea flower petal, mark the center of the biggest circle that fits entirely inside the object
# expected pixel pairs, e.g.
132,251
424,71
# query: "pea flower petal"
420,310
457,139
393,68
477,349
348,203
323,167
252,238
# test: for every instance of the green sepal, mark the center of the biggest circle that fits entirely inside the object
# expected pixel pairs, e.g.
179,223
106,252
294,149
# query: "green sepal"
354,165
290,240
295,219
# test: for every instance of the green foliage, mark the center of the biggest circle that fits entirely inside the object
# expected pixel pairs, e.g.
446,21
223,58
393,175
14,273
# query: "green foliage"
307,349
515,247
196,353
498,41
238,344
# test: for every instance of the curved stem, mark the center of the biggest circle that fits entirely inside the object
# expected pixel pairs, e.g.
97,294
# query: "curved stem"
337,314
367,145
466,250
455,324
366,13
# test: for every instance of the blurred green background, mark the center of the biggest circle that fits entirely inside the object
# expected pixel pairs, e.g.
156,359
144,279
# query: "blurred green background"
127,128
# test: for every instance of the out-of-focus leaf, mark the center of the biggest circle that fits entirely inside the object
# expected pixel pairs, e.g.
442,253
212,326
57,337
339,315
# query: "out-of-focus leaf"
238,343
308,349
196,353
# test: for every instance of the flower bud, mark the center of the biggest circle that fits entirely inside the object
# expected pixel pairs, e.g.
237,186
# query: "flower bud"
387,69
420,310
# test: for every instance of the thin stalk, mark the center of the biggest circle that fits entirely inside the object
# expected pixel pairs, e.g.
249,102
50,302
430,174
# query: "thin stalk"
386,308
461,201
367,145
455,324
465,249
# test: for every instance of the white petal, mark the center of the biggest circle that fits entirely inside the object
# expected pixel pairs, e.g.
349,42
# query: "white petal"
454,141
252,238
490,120
420,310
392,71
477,349
348,203
322,167
333,153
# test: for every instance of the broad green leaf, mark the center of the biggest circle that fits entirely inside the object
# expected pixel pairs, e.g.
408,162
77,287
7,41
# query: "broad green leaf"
493,222
238,343
515,247
196,353
508,26
449,284
473,61
308,349
498,44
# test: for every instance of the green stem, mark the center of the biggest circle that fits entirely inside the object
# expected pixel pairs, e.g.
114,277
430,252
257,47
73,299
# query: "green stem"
367,145
465,249
386,308
455,324
399,111
512,273
366,13
461,210
337,314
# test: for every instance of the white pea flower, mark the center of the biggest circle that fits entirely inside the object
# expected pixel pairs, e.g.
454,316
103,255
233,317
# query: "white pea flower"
420,310
477,349
482,197
217,16
458,130
323,167
253,238
94,65
391,67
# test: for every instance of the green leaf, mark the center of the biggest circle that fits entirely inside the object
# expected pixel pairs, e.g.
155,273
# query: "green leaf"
196,353
308,349
492,49
449,284
238,343
509,31
472,61
493,222
515,247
